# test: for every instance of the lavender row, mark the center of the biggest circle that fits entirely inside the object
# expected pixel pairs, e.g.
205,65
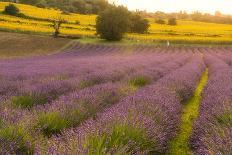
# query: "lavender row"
152,113
212,133
46,87
12,116
97,96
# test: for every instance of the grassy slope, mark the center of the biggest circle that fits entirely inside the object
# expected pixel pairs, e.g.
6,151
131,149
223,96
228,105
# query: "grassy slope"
180,144
15,45
184,32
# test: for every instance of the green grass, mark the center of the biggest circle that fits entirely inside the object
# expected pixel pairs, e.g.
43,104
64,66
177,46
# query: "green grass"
37,21
123,139
180,144
51,123
54,122
21,45
89,82
15,138
155,43
225,119
23,101
27,101
139,81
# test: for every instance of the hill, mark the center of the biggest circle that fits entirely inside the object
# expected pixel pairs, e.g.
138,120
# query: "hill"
17,45
37,21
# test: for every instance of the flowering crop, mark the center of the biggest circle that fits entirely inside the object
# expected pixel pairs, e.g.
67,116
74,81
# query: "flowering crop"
150,110
107,99
185,31
212,133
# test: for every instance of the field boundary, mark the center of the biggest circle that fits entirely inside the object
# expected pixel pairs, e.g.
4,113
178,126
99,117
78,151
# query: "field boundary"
180,144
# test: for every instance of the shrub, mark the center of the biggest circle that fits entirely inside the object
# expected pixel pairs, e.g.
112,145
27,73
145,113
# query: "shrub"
51,123
78,22
113,23
11,10
225,119
139,81
160,21
23,101
123,139
90,82
28,101
15,140
172,21
139,24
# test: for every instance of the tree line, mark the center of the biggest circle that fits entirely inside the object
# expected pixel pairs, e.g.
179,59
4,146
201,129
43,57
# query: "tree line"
111,23
73,6
96,6
218,17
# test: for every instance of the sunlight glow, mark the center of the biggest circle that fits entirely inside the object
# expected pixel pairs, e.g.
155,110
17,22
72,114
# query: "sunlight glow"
206,6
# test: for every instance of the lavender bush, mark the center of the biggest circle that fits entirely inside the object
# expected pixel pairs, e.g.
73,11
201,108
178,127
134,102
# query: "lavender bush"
212,132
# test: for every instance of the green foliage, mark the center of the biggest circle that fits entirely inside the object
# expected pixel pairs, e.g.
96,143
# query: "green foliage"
225,119
123,139
16,140
23,101
51,123
108,98
139,24
172,21
77,6
113,23
31,2
160,21
89,82
74,117
139,81
190,112
28,101
11,10
1,123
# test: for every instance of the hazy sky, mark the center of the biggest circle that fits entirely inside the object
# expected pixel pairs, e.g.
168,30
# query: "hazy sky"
210,6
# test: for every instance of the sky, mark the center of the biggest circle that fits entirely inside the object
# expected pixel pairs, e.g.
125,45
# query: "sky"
206,6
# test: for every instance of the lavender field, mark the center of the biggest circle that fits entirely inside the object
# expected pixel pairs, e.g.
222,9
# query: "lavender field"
108,99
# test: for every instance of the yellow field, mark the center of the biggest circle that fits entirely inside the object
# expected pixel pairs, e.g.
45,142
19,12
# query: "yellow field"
185,31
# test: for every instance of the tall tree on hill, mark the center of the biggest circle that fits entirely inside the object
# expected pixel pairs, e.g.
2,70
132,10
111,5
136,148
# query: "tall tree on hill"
138,24
112,23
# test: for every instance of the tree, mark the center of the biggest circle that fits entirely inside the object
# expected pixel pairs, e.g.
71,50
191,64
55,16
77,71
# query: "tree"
112,23
56,24
11,10
160,21
172,21
139,24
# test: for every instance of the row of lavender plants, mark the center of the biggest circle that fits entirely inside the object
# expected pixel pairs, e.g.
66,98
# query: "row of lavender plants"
140,123
212,133
224,54
45,84
15,139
